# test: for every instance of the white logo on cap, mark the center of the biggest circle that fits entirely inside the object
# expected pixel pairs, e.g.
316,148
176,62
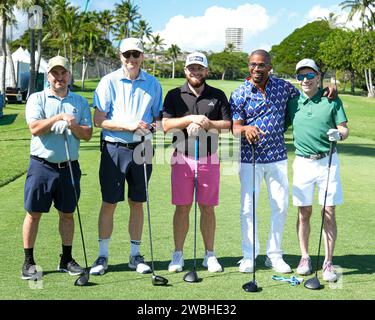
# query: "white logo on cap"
196,58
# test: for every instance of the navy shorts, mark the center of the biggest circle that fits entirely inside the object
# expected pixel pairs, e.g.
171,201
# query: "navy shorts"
46,182
116,166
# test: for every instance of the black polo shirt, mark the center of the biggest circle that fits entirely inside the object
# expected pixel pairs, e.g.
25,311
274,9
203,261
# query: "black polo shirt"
212,103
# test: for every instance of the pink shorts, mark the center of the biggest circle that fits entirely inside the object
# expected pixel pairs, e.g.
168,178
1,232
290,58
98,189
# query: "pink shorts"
183,180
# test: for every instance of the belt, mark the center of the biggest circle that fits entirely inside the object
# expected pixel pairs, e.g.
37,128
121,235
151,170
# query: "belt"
317,156
59,165
131,146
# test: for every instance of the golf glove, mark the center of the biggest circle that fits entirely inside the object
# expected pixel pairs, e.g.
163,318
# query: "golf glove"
334,135
59,127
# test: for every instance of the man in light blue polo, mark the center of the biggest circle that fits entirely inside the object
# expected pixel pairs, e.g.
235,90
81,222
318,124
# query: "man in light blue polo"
127,102
51,114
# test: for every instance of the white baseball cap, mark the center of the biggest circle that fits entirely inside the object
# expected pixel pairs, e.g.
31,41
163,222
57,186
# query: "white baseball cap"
307,63
196,58
58,61
131,44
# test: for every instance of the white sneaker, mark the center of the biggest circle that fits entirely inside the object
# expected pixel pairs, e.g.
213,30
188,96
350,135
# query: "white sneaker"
211,263
329,272
138,263
246,265
100,266
177,262
278,264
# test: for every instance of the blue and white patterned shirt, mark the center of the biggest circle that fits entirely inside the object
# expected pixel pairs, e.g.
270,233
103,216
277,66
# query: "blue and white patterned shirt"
267,113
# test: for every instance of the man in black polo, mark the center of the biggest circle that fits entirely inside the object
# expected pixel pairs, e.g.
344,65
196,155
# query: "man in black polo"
195,109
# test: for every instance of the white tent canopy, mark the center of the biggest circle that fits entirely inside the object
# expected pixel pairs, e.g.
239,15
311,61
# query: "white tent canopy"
21,62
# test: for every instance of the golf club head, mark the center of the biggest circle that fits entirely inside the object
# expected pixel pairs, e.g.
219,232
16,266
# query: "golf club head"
83,279
159,281
191,276
313,284
250,286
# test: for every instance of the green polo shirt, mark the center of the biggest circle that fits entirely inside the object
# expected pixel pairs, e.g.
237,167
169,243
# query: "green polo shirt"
311,119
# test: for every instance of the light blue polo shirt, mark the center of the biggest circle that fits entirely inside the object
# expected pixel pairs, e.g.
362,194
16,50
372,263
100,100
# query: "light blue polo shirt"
44,105
128,101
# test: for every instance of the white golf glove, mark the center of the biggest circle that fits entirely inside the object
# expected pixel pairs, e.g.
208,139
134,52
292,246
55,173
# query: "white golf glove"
59,127
334,135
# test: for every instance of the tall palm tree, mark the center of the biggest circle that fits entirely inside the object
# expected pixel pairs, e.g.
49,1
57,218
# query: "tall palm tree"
366,8
230,47
156,45
173,51
126,16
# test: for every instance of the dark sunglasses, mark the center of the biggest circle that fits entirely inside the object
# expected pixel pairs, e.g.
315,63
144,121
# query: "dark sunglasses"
308,76
133,53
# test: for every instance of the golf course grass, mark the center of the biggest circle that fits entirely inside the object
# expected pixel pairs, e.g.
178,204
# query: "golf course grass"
354,252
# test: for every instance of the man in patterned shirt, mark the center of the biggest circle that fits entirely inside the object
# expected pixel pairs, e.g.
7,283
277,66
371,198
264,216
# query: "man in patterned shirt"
258,108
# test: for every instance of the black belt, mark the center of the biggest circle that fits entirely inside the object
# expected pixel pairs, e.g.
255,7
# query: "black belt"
60,165
131,146
317,156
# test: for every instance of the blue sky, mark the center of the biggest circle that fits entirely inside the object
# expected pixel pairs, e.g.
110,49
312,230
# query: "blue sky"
201,24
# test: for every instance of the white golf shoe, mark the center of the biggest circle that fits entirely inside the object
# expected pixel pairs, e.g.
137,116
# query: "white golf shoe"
329,272
211,263
246,265
278,264
100,266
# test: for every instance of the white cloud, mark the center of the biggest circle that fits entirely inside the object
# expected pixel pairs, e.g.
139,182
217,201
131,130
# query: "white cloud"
318,12
207,32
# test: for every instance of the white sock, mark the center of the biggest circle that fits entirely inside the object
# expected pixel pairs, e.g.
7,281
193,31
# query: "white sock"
134,247
210,253
103,247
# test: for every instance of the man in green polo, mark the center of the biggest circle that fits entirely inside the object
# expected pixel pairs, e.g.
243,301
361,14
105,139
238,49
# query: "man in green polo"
316,122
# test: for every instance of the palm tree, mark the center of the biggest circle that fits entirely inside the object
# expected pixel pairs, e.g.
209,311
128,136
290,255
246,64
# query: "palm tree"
366,8
173,52
126,16
230,47
141,30
106,22
156,45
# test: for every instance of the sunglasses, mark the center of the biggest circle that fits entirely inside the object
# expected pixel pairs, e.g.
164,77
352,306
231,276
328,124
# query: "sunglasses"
308,76
133,53
260,66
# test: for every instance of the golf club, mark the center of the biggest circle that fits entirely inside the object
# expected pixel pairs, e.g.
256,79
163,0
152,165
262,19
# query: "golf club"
313,283
156,280
252,286
192,276
84,278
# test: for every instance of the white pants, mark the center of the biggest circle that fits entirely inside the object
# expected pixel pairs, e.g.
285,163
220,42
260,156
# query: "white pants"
276,178
309,173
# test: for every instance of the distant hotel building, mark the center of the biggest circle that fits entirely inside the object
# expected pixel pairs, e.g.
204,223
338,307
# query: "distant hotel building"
235,36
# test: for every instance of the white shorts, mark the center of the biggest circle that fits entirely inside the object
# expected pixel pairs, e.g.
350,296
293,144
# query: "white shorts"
307,173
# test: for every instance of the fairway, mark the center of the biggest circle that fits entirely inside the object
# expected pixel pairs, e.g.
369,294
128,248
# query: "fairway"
354,252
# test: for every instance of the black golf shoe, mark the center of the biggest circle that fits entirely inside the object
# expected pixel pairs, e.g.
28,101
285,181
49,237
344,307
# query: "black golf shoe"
72,267
29,271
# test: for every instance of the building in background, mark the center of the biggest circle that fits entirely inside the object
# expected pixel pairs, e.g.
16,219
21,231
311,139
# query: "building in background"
235,37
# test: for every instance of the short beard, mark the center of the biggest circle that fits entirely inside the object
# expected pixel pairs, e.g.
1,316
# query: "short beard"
195,84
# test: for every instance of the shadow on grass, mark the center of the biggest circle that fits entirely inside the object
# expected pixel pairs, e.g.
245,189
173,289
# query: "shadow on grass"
8,119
